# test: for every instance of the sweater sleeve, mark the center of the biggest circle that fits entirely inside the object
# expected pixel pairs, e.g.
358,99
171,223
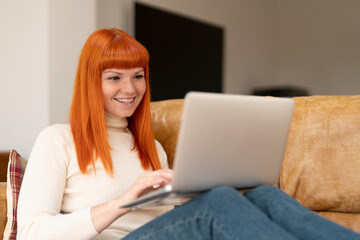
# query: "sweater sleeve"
39,208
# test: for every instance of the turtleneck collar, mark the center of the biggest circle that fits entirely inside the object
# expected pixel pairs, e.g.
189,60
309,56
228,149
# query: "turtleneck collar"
116,123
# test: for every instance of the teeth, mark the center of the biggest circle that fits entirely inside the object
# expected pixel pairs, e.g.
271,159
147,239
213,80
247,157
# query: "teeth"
124,100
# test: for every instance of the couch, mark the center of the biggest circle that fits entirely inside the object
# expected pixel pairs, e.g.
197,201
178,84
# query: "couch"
321,166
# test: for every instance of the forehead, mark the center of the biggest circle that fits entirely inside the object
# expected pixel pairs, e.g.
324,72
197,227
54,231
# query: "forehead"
123,71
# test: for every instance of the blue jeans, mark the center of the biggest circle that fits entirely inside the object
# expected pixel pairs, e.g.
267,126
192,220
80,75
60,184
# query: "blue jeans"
222,213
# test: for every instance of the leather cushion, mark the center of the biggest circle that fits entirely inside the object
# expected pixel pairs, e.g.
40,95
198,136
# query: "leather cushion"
166,116
322,160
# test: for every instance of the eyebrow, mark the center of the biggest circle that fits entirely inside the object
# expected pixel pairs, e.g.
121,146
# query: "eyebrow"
119,73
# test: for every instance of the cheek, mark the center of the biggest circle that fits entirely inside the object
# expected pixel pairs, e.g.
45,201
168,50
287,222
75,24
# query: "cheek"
107,91
107,96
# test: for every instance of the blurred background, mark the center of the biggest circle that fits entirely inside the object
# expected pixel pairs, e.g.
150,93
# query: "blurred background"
276,47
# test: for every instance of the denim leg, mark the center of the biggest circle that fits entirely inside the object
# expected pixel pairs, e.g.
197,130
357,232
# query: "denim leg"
221,213
294,218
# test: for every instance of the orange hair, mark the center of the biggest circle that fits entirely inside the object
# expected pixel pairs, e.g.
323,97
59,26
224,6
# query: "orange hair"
109,48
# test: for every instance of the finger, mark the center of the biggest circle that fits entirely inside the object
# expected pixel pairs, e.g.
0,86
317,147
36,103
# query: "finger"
164,173
148,183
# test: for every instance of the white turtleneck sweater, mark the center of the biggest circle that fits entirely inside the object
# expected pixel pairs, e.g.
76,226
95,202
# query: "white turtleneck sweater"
55,197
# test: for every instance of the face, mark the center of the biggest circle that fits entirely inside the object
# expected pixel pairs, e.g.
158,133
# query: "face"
123,90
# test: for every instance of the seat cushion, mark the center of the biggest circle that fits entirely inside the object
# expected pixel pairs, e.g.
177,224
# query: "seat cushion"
349,220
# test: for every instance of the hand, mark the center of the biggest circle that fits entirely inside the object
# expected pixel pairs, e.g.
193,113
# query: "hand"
105,214
147,182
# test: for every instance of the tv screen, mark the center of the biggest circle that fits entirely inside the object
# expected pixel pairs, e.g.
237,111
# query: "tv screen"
185,54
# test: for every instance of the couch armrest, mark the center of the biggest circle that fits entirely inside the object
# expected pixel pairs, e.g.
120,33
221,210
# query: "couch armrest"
4,160
3,208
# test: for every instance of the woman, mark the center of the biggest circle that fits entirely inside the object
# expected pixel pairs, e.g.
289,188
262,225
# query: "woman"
79,174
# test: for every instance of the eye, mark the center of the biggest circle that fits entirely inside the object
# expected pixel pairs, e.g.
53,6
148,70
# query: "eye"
139,76
113,78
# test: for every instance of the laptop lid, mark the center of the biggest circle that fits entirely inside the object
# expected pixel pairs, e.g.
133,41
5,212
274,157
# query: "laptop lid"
233,140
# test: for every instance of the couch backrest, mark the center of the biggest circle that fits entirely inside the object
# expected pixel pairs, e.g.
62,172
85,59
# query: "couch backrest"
321,165
166,117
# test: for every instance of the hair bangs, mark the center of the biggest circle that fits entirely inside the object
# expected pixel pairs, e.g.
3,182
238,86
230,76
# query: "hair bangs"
122,53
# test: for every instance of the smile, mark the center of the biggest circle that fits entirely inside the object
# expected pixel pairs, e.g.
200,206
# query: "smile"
125,100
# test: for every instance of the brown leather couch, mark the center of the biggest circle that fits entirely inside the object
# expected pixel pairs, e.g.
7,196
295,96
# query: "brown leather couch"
321,167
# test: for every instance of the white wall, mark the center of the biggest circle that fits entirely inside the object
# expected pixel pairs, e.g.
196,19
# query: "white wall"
40,44
70,24
24,68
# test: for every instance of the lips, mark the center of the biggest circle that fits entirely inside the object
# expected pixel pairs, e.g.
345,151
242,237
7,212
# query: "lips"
125,100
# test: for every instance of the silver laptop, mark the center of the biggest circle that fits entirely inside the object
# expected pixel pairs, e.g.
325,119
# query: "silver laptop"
225,139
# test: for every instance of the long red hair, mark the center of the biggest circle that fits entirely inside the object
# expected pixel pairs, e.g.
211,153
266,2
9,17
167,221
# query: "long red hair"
109,48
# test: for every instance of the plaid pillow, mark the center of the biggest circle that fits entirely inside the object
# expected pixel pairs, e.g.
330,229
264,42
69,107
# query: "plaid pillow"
15,174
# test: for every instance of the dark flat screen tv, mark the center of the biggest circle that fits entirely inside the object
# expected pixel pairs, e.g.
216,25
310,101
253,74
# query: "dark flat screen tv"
185,54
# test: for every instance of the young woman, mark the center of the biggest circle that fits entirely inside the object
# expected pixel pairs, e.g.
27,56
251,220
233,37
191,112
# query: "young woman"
79,174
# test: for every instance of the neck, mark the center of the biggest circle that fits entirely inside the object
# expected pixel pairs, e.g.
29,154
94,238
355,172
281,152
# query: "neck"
116,123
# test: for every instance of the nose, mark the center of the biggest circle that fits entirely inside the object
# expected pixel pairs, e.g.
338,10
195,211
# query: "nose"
128,86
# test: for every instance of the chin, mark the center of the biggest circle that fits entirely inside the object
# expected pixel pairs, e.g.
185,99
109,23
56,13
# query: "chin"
126,115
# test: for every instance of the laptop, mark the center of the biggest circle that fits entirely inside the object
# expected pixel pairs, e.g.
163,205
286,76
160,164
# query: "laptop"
225,139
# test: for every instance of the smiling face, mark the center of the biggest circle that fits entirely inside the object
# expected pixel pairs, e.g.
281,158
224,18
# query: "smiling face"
123,90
